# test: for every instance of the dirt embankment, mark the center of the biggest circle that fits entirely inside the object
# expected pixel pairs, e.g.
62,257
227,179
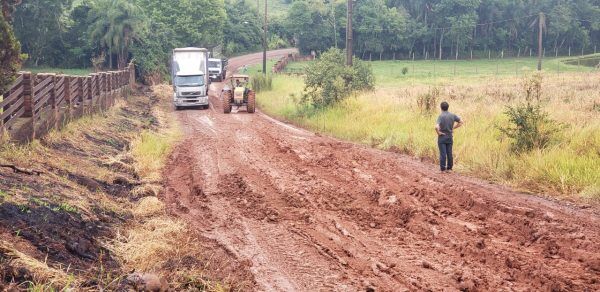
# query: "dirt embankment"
81,209
311,213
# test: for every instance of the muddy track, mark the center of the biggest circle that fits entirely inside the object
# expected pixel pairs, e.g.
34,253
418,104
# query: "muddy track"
311,213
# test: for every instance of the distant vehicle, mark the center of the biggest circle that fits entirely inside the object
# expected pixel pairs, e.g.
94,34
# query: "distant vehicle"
217,69
189,67
238,94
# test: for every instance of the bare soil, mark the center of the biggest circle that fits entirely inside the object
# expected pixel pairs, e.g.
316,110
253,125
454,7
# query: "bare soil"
312,213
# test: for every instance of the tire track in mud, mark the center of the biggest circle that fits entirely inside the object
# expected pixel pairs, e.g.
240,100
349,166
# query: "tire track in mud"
313,213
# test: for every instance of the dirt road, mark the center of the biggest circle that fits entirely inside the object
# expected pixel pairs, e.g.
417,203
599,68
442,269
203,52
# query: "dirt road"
311,213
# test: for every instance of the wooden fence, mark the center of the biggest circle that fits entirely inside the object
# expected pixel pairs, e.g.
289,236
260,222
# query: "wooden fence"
37,103
279,67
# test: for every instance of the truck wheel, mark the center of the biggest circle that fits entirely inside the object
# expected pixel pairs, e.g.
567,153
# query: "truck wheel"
251,101
227,101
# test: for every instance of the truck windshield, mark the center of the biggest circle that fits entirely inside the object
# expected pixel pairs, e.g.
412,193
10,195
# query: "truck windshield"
189,80
214,64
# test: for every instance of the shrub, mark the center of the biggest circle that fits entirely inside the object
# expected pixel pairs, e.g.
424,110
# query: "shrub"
529,127
428,102
328,80
261,82
404,70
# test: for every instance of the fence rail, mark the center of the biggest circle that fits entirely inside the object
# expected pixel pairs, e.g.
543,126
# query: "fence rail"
37,103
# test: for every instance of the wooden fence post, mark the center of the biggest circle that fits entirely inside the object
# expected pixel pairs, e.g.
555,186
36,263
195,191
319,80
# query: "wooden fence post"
53,102
94,91
113,83
28,84
103,90
131,70
28,94
67,91
81,93
89,96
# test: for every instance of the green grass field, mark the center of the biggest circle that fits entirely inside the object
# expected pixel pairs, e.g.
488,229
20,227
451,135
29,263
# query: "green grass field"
391,73
389,118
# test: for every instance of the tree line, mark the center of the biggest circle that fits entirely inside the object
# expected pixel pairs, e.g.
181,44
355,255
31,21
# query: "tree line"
108,33
447,29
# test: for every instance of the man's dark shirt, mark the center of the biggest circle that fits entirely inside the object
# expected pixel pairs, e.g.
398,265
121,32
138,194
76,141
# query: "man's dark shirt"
446,122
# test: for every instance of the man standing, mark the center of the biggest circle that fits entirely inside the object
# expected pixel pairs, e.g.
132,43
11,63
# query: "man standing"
444,126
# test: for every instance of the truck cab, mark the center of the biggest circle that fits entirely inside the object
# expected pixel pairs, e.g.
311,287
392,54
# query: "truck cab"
216,69
189,72
190,90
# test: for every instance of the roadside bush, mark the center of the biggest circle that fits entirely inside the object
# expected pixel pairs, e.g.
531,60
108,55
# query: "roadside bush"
328,80
404,70
529,127
428,102
261,82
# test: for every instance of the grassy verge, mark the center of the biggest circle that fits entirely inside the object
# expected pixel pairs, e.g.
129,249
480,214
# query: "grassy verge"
389,118
76,71
94,214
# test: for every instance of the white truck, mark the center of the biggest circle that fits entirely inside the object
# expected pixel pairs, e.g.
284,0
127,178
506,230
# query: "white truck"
189,71
216,69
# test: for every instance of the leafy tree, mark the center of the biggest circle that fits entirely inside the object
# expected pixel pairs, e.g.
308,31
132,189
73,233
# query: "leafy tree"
193,22
173,24
39,26
329,80
115,25
10,50
78,50
308,22
242,31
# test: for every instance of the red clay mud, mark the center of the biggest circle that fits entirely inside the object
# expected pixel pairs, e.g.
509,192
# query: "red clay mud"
311,213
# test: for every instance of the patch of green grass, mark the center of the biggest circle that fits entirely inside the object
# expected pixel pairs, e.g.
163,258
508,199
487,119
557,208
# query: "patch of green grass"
3,195
389,73
65,207
592,60
66,71
150,151
255,69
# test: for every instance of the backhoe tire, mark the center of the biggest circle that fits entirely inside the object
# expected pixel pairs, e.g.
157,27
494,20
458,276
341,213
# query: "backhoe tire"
251,101
227,101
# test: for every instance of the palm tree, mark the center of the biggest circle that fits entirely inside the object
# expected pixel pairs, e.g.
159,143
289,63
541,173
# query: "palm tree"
115,25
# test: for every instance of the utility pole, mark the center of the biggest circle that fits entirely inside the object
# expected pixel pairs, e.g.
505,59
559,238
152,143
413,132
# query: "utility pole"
349,35
541,26
334,25
264,67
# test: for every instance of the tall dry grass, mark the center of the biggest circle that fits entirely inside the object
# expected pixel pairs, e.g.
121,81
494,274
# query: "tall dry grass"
389,117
